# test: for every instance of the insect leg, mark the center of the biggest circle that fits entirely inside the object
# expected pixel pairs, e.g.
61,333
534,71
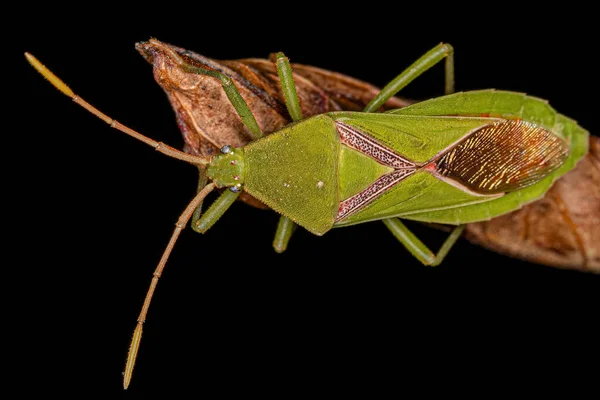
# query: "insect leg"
216,210
286,227
238,103
428,60
288,87
234,96
417,248
449,76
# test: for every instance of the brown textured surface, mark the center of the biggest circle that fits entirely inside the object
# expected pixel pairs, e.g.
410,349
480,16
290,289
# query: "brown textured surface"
503,156
561,230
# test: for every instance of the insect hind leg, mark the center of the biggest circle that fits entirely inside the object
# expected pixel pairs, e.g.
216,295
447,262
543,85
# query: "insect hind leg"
417,248
428,60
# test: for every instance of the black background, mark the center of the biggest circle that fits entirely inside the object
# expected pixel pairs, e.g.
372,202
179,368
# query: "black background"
349,312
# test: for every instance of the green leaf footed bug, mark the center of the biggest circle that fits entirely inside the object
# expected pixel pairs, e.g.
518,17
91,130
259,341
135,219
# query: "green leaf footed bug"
455,159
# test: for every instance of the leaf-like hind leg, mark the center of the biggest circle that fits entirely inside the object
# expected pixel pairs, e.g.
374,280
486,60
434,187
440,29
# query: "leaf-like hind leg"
428,60
417,248
286,227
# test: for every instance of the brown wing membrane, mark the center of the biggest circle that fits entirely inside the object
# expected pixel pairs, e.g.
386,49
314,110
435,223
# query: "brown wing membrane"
503,156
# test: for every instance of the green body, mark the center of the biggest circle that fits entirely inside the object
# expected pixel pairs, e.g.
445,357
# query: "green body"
457,159
305,172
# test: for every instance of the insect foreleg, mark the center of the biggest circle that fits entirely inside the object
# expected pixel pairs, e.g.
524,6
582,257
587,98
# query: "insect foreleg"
216,210
240,105
428,60
417,248
286,227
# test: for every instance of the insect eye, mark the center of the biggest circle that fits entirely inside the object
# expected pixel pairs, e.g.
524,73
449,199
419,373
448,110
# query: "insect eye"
225,149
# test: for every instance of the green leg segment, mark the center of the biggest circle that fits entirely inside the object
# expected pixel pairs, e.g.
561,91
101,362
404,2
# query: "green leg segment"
432,57
215,211
449,67
229,87
418,248
286,226
288,86
398,229
240,105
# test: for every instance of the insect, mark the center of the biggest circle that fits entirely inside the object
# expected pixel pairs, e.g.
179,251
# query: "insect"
558,230
456,159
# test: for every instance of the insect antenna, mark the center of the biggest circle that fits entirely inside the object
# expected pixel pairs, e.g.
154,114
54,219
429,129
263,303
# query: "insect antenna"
137,333
181,222
158,146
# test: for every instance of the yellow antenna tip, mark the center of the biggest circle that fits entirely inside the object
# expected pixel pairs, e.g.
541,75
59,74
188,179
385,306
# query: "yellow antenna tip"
133,350
53,79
